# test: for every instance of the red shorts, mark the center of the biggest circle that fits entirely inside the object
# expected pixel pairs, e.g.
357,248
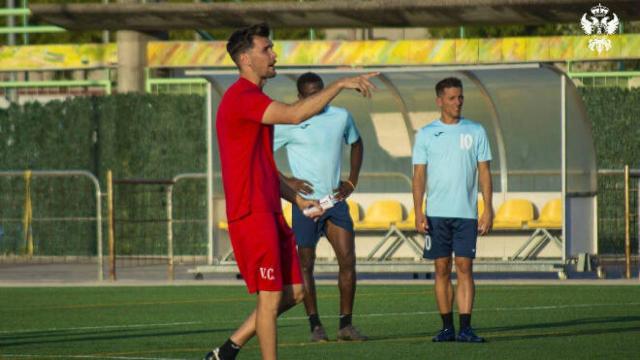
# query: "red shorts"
265,250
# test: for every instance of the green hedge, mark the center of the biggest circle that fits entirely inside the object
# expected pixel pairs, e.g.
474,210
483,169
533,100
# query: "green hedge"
147,136
136,136
615,115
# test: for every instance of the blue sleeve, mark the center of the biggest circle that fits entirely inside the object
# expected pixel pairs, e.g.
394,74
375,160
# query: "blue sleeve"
483,148
279,136
420,149
351,134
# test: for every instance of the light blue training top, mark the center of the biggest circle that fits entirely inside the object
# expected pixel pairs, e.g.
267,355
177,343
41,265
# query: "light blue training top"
314,148
452,153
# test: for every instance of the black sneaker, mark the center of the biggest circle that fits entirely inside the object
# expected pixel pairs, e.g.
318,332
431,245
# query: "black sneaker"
467,335
445,335
213,355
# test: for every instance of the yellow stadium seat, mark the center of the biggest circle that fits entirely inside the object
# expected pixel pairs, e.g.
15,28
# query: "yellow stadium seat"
380,215
354,210
223,225
480,207
550,216
513,214
550,219
387,215
409,224
287,211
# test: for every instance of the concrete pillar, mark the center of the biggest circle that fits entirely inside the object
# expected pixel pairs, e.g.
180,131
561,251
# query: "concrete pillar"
132,57
132,60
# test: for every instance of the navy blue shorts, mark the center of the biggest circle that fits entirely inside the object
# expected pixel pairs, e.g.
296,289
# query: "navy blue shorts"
450,235
308,232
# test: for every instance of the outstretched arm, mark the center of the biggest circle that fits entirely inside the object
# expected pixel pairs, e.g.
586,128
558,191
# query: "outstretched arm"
281,113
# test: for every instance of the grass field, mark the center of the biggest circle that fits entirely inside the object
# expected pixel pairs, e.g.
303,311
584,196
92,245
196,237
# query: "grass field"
182,322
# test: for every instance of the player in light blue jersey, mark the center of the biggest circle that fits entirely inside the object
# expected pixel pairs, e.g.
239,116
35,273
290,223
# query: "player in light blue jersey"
451,155
314,151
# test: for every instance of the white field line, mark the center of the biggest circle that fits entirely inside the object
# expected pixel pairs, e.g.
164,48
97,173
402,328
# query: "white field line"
296,318
48,356
499,309
133,326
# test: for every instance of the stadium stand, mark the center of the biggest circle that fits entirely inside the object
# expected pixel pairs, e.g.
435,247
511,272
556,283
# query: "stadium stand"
380,216
550,216
550,219
223,225
287,211
386,223
408,224
513,214
354,210
384,215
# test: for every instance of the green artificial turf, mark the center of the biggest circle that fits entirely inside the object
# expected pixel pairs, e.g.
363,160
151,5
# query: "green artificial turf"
184,322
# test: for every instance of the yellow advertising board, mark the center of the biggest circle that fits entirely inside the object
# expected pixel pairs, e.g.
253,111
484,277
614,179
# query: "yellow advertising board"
329,53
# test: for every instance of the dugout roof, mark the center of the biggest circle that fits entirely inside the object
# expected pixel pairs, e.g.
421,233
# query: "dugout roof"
322,14
521,107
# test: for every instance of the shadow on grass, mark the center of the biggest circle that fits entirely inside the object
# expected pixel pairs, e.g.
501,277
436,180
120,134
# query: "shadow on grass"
584,321
554,329
55,337
566,328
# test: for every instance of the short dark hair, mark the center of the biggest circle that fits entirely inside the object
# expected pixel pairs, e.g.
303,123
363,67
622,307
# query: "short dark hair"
308,78
242,40
450,82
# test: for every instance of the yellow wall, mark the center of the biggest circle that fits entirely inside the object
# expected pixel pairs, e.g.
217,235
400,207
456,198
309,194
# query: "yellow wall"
330,53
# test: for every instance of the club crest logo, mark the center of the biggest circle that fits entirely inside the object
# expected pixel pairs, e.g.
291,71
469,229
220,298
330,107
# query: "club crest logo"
599,25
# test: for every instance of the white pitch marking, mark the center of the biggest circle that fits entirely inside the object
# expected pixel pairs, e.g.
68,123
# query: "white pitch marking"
88,357
100,327
295,318
500,309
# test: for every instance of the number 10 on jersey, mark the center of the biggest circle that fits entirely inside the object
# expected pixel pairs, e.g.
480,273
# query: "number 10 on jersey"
465,141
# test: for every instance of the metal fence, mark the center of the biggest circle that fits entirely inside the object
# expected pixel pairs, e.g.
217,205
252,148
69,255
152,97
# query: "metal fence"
24,28
158,222
50,217
186,86
623,79
617,212
43,91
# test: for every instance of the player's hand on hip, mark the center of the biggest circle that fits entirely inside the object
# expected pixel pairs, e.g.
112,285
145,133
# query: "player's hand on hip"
421,223
485,223
301,186
310,208
360,83
344,190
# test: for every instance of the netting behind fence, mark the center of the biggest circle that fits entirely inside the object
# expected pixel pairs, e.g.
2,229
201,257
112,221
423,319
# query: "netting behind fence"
611,214
189,203
47,218
140,219
147,221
